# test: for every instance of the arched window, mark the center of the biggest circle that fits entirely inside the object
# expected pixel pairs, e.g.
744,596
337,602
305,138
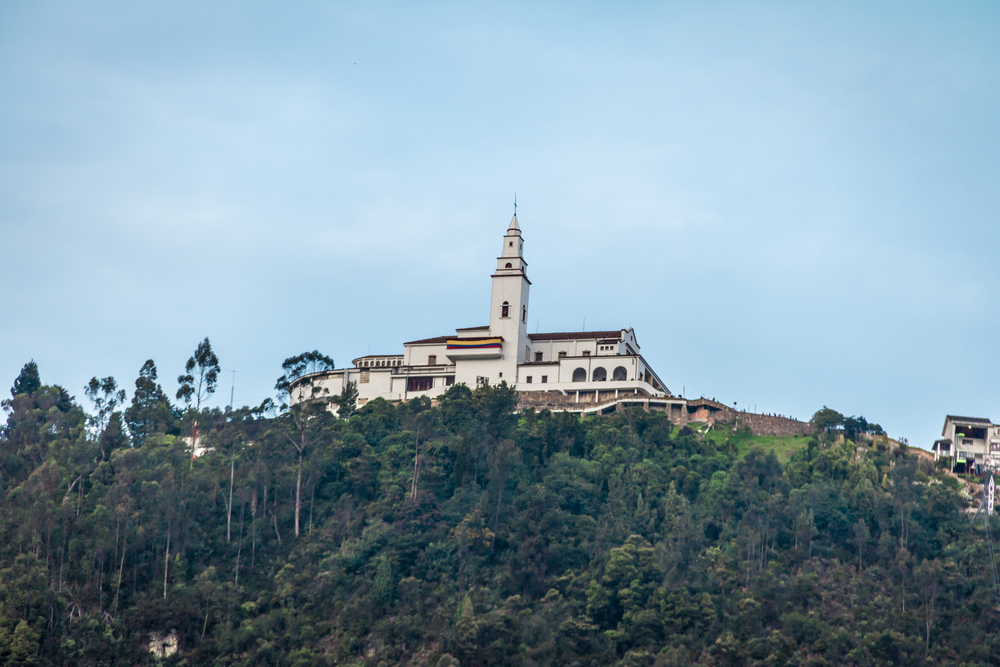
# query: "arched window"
620,373
505,310
508,265
580,375
600,375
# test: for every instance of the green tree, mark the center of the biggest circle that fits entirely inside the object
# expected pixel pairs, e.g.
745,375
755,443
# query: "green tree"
347,401
23,646
107,398
826,420
28,381
201,375
150,412
383,584
298,366
307,404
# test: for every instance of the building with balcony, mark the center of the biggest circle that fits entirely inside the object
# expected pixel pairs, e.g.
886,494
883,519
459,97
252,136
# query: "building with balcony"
581,367
972,443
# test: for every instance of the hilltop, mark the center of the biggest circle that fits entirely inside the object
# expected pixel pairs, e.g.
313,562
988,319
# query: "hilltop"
467,533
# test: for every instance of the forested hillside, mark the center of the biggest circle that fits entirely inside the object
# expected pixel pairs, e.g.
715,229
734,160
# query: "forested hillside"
467,534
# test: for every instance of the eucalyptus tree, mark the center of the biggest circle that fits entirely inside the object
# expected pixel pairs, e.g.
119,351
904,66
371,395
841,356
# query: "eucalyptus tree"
107,397
307,404
201,376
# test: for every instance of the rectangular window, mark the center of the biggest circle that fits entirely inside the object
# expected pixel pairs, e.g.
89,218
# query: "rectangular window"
419,384
528,379
432,360
562,355
449,380
586,353
545,378
365,376
538,356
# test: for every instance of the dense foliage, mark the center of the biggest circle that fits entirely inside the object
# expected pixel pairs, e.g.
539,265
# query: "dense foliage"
467,534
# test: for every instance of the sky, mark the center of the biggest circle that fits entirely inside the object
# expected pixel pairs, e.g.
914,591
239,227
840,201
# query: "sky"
794,204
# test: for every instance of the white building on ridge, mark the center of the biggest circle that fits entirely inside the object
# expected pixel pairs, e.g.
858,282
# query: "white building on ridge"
582,367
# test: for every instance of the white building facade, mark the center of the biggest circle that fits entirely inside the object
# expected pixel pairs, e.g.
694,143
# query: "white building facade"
972,442
597,365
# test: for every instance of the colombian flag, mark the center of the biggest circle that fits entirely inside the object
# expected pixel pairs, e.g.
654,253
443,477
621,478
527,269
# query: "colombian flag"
475,344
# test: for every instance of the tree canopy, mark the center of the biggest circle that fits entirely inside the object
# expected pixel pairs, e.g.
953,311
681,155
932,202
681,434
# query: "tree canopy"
465,533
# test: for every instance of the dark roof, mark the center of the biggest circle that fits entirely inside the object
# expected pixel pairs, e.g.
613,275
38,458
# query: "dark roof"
429,341
579,335
486,326
971,420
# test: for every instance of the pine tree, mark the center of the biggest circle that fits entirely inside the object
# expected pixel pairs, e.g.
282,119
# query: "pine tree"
28,382
150,412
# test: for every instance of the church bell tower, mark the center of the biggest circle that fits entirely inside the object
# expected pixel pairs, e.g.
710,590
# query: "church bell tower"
509,304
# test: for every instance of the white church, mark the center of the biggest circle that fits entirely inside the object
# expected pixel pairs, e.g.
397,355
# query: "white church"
589,367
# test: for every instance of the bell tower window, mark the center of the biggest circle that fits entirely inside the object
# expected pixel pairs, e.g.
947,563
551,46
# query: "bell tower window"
505,310
508,265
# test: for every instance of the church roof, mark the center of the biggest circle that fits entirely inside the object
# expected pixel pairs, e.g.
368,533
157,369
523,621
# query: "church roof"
513,224
430,341
437,340
580,335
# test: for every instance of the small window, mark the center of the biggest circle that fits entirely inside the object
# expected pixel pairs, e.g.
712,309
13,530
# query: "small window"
432,360
505,310
510,244
449,380
365,376
500,374
528,379
524,313
545,378
562,355
538,356
508,265
586,353
366,364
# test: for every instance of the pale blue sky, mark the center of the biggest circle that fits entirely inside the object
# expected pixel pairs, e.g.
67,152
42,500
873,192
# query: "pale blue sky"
794,204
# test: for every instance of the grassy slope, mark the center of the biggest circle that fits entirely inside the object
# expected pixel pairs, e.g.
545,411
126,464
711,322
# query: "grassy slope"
783,445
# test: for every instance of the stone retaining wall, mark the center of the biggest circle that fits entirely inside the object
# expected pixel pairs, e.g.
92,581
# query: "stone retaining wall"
700,410
766,424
